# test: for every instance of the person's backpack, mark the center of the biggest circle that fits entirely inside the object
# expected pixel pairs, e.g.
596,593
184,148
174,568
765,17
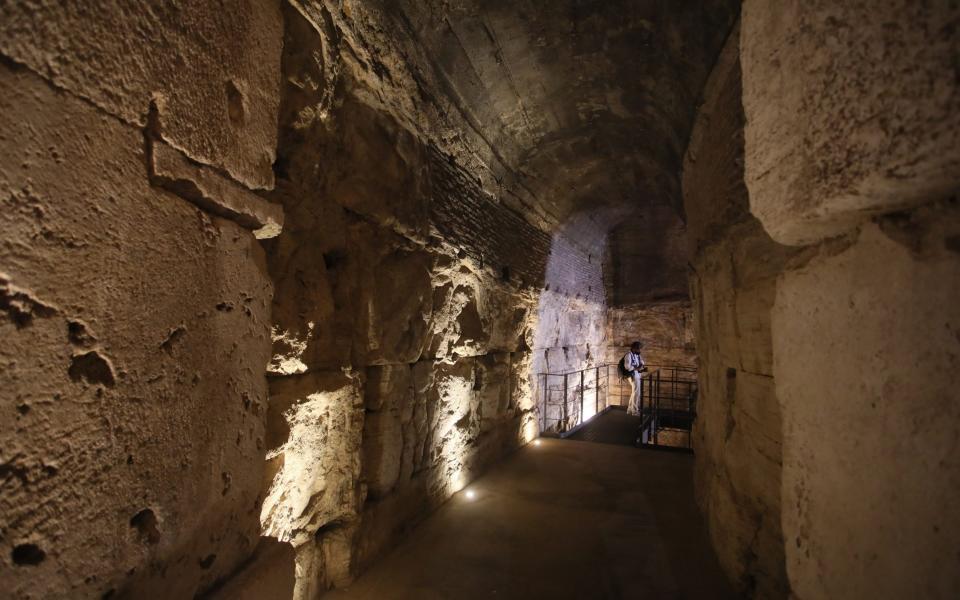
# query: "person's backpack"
622,369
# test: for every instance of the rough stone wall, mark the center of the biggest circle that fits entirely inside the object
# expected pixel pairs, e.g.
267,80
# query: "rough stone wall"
410,310
738,431
857,153
134,302
666,330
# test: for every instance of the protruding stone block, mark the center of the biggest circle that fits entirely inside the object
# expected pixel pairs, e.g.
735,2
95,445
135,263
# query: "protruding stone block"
212,192
852,109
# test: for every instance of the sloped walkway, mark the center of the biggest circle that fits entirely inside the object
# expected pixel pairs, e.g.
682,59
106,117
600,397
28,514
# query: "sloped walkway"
613,426
559,520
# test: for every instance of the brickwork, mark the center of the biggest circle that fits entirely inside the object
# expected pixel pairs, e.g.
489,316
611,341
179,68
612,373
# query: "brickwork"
573,271
487,231
497,237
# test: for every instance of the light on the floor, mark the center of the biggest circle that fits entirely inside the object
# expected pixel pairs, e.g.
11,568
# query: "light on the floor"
536,442
470,494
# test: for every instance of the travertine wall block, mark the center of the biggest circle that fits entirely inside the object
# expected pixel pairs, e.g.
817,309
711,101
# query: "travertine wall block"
134,399
853,110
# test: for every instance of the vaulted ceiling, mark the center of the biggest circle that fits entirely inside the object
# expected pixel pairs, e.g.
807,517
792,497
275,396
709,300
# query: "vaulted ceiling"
589,105
588,102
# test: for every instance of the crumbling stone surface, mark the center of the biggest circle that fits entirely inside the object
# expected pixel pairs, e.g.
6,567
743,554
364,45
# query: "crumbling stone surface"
131,441
738,430
873,438
426,296
318,464
212,72
858,115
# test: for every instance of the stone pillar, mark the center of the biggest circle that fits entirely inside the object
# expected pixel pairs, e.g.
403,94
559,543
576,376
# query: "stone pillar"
853,148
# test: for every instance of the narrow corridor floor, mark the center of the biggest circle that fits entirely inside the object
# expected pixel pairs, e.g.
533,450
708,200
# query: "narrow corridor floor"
559,520
613,426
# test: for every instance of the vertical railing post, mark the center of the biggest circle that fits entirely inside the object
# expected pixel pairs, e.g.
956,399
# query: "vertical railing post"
656,412
543,415
640,395
565,399
581,395
596,391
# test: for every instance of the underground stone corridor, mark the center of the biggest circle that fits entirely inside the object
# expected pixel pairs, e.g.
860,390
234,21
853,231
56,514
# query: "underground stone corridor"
326,298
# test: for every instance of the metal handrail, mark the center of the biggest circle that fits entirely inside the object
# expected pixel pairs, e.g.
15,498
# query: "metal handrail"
667,399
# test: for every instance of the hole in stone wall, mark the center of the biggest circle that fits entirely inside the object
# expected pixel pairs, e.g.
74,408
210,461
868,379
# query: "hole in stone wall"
145,522
333,259
27,555
207,561
235,108
78,334
505,274
93,368
172,338
477,380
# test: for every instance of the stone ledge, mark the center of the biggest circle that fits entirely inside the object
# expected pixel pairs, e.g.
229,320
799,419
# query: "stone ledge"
212,192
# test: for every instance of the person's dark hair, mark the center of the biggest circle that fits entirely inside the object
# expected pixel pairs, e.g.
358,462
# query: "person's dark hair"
636,345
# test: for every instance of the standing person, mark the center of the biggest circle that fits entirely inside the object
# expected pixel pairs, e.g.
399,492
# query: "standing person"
634,365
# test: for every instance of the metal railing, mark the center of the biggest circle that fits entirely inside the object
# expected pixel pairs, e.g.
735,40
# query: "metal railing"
570,399
667,406
666,403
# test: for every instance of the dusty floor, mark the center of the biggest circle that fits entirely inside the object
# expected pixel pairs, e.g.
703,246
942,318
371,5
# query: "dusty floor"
562,519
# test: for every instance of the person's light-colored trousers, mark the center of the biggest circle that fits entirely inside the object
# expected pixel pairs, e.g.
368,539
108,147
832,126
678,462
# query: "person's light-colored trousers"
633,407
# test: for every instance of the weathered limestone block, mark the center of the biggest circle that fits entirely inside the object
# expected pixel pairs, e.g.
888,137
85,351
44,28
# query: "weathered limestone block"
389,387
382,451
360,295
852,109
317,478
446,389
394,298
457,328
212,192
734,267
390,405
522,381
313,309
133,399
388,520
508,315
475,313
380,169
492,385
870,460
338,144
574,323
216,102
